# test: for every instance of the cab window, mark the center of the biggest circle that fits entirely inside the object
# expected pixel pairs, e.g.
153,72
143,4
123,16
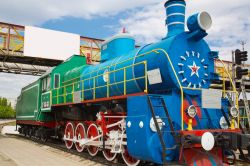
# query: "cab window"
56,81
46,83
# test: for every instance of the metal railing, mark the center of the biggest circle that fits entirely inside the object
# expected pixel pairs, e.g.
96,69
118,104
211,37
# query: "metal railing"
233,91
220,69
223,73
224,76
125,81
91,48
11,38
69,90
145,77
12,42
179,84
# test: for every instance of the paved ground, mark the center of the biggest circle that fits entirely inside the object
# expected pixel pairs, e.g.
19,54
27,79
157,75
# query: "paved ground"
22,152
16,151
2,121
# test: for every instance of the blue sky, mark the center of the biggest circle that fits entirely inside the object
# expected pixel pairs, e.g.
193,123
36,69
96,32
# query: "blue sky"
144,19
100,27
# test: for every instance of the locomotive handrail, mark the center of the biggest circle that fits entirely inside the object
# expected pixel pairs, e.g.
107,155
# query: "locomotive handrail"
94,87
234,88
179,83
224,87
124,81
101,74
114,64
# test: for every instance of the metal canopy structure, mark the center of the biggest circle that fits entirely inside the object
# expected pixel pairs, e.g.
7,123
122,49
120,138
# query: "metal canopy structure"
13,60
29,60
220,70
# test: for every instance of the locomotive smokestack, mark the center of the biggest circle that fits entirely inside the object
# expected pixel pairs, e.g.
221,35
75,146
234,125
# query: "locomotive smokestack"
175,20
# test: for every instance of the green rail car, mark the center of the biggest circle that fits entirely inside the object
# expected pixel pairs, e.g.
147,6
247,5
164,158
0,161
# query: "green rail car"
28,103
36,99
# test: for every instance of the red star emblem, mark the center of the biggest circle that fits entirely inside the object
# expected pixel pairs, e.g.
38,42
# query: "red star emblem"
194,69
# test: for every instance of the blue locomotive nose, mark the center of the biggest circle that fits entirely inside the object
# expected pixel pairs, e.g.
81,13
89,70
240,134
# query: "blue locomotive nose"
175,20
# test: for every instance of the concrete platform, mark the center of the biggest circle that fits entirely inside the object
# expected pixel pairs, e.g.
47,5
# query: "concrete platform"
21,152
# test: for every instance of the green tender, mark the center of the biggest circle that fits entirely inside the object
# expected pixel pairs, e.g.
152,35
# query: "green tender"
28,104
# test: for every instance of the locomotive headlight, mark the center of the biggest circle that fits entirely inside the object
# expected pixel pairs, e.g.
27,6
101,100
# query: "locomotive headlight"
234,112
223,123
192,111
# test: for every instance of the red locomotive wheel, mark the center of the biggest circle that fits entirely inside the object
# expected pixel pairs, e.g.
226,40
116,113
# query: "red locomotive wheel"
92,133
107,153
69,134
80,134
129,160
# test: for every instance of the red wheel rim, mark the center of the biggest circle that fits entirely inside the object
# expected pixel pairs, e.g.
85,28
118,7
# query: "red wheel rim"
107,153
129,160
69,134
91,133
80,134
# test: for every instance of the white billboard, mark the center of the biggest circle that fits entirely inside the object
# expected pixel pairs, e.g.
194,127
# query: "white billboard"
44,43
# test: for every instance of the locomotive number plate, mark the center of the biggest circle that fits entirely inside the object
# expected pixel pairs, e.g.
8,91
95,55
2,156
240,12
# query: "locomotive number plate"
211,98
154,76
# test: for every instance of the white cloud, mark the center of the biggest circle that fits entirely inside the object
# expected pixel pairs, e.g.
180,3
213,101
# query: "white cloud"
231,23
35,12
147,24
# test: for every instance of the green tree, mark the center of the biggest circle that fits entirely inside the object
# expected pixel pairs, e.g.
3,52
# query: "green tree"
6,111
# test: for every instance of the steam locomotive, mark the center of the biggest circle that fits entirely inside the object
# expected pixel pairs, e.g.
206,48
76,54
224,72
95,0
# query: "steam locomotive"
151,103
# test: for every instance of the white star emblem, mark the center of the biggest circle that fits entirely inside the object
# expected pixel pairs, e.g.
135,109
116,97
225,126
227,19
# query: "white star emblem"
194,69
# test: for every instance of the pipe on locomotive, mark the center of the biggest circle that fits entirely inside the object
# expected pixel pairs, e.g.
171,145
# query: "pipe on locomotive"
200,21
175,21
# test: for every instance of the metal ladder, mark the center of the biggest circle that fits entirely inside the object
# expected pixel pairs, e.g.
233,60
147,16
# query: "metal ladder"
159,131
244,95
243,156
